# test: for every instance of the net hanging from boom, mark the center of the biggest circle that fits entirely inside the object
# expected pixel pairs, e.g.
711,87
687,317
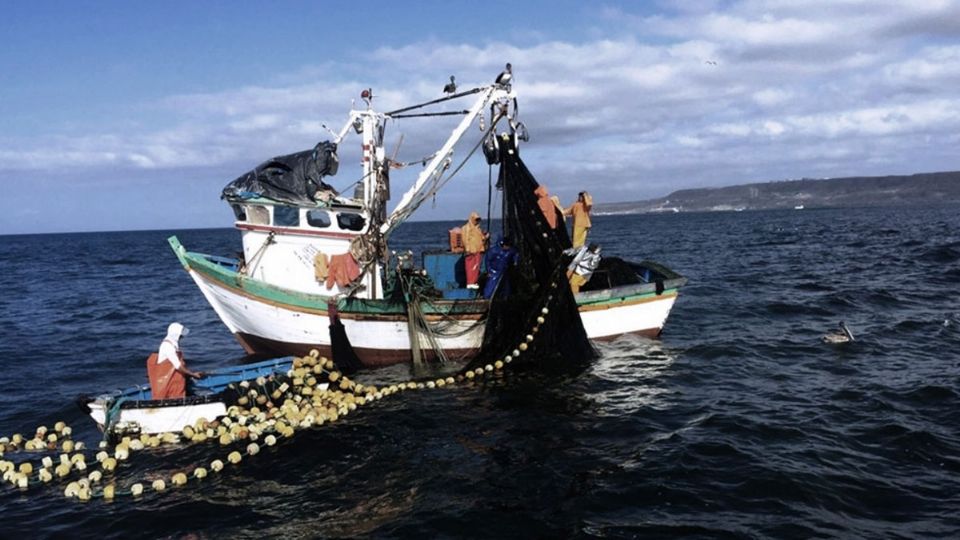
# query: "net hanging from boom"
555,339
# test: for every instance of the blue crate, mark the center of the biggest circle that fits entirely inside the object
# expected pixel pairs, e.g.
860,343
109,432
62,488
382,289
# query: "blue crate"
446,269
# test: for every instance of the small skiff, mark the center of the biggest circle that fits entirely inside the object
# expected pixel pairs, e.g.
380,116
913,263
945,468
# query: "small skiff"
132,411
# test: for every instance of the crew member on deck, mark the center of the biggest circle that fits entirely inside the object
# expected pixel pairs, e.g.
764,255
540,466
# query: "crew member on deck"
580,211
167,370
474,244
585,261
499,260
546,206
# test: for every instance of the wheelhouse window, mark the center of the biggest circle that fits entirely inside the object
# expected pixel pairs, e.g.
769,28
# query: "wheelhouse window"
318,218
286,216
239,212
351,222
258,215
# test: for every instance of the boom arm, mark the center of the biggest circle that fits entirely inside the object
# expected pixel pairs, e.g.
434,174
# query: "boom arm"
415,196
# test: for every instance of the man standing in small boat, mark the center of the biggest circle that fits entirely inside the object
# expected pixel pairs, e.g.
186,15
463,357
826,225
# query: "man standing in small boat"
580,211
474,244
167,370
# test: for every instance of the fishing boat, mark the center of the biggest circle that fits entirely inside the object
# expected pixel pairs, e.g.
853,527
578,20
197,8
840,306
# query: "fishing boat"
315,257
133,410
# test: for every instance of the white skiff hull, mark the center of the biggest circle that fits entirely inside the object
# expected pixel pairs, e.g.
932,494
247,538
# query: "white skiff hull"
163,418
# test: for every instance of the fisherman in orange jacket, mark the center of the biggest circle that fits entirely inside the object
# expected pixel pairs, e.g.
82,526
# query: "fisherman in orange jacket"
580,211
167,370
474,244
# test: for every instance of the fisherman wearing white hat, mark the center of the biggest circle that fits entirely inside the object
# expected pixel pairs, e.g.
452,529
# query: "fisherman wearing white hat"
167,370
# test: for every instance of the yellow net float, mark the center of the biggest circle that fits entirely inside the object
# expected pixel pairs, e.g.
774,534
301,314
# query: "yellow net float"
71,490
159,485
178,479
136,490
121,452
109,491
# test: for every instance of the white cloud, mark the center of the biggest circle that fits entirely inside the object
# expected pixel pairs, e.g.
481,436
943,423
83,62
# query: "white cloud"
702,95
769,97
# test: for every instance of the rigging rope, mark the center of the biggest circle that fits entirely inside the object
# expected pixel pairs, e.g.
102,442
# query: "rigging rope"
423,115
440,100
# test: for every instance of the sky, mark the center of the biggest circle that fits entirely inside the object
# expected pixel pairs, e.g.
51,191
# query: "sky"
134,115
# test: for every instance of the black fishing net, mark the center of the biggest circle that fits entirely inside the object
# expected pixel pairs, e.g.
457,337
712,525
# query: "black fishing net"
540,311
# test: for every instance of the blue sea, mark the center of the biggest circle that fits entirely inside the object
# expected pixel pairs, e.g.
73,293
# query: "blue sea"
737,423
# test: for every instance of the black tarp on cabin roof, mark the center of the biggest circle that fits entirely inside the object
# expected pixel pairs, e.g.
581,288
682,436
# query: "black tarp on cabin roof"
293,178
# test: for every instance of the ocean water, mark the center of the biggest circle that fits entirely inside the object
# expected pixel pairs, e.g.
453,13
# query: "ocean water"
737,423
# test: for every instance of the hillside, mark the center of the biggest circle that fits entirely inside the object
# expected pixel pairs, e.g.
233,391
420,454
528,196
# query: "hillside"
916,189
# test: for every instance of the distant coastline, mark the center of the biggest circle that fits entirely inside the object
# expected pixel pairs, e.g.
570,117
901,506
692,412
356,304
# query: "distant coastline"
807,193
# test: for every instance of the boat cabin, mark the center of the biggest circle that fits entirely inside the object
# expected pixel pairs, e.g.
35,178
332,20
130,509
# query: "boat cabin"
282,242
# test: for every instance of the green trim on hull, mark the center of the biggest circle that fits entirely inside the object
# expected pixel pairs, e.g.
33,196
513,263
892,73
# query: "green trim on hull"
294,299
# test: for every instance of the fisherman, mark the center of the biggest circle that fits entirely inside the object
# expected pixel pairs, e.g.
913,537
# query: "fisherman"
474,244
580,211
167,370
546,206
499,260
585,261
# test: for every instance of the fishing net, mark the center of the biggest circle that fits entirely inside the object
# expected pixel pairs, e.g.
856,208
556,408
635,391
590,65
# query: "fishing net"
540,312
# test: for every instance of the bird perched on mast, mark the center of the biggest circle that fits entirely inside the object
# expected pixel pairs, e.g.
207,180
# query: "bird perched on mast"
451,87
505,76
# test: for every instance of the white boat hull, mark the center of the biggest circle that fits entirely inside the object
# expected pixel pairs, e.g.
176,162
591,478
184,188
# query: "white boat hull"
160,419
265,327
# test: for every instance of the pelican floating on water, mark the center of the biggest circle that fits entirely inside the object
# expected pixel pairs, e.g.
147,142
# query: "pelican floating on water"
843,335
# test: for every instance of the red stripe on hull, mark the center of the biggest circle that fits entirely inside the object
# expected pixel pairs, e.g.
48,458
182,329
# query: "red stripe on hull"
377,358
370,358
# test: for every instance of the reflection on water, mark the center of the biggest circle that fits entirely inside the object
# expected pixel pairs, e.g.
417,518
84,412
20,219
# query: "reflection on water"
634,366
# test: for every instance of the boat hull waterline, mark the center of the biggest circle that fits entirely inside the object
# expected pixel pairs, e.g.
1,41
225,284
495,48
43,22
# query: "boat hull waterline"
268,320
